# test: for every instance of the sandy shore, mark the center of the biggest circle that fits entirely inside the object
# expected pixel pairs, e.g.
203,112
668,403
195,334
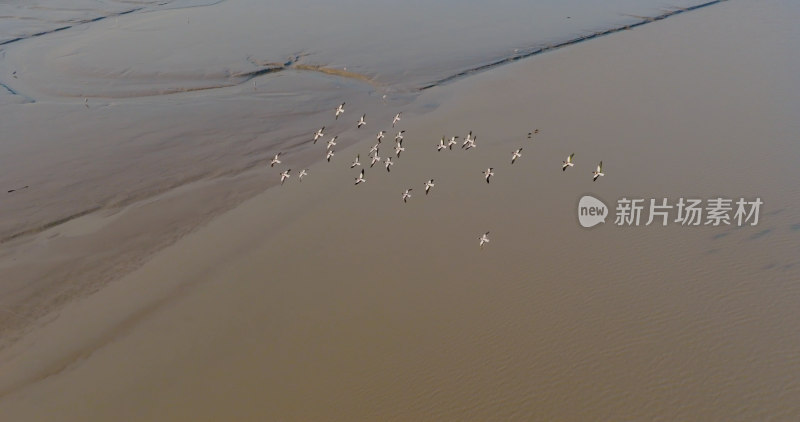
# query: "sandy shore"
322,300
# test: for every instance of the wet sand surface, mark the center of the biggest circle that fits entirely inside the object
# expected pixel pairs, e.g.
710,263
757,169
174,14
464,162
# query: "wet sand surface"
322,300
110,107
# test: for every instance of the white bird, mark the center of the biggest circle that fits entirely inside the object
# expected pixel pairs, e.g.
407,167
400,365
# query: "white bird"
303,172
375,148
275,160
396,118
285,175
388,163
329,155
428,185
467,140
531,134
407,194
86,102
599,172
484,239
441,145
399,135
360,178
516,154
568,162
332,142
380,135
339,110
452,142
471,144
488,173
318,134
361,121
356,162
398,149
375,159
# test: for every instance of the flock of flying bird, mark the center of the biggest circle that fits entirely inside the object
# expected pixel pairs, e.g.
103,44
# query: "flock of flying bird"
468,143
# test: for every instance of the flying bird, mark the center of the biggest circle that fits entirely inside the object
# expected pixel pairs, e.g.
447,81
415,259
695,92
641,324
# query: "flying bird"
329,155
388,163
407,194
428,185
467,140
452,142
375,159
303,172
332,142
375,148
396,118
361,121
380,135
599,172
471,144
285,175
339,110
516,154
484,239
441,145
488,173
318,134
356,162
275,160
399,136
398,149
568,162
360,178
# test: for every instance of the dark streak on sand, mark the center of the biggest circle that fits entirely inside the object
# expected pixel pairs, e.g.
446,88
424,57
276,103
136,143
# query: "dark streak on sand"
538,51
97,19
14,190
51,224
13,92
294,63
39,34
